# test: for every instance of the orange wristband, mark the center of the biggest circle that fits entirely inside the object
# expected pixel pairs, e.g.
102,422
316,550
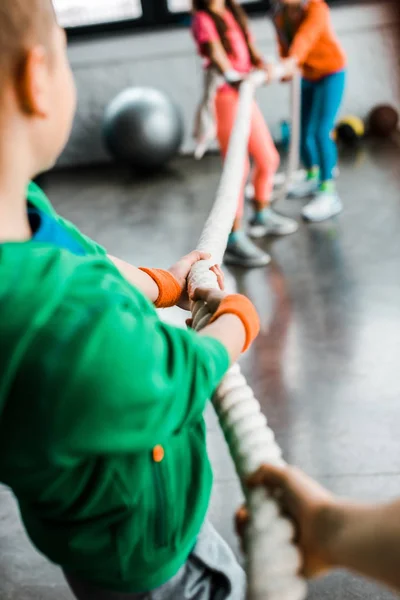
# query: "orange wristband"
236,304
169,289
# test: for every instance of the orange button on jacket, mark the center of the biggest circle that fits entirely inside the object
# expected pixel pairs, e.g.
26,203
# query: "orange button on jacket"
314,44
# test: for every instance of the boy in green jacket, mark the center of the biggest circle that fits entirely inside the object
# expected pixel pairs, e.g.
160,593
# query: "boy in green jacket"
102,437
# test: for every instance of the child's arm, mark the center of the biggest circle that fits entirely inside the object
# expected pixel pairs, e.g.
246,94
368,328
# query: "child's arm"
139,279
127,380
208,39
283,52
256,56
230,331
218,57
368,540
235,323
334,533
165,290
309,32
215,51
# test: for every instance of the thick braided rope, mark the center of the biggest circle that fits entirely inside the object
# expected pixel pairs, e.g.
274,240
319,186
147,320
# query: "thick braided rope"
273,561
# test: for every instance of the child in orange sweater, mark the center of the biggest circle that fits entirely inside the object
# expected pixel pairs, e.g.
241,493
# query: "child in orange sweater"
306,40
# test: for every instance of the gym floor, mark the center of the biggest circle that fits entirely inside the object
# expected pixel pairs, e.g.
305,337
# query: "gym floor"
325,366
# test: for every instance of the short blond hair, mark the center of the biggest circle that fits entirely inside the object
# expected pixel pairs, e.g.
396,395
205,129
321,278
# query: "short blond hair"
23,23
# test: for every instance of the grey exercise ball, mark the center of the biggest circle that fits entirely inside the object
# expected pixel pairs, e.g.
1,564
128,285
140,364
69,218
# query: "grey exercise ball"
143,127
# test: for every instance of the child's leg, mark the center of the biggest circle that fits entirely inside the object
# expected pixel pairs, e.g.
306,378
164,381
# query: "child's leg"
88,591
327,202
308,141
330,98
226,104
266,163
266,158
309,123
241,251
210,573
214,557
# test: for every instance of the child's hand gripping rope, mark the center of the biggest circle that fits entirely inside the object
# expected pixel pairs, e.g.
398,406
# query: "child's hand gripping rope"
273,560
205,127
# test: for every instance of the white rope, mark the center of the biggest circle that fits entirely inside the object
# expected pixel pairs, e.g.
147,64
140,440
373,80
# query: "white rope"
273,560
205,128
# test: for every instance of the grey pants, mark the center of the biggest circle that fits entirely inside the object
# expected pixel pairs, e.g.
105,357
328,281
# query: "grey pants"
210,573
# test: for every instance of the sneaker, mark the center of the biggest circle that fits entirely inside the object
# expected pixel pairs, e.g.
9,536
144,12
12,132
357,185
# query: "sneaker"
324,206
304,189
241,252
269,222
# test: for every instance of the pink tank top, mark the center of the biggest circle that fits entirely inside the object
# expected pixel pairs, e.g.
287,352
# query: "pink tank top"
204,31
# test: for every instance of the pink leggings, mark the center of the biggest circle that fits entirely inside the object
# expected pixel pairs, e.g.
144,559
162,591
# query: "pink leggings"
261,146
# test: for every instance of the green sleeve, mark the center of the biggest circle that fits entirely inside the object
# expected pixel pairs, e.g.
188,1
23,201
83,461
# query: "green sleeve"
127,381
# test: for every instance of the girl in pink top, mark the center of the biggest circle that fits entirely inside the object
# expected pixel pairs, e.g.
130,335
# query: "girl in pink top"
226,44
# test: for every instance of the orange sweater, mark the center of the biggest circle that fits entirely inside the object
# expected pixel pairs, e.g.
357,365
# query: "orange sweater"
314,45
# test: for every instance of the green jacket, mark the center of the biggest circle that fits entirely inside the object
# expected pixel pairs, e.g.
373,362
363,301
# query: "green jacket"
90,382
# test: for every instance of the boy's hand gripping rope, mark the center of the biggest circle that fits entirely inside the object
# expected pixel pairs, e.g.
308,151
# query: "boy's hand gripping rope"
273,562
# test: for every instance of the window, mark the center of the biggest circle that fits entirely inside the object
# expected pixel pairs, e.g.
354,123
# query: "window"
182,6
84,13
86,16
104,15
177,6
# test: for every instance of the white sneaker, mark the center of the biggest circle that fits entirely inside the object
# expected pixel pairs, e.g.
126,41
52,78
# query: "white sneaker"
306,188
270,222
324,206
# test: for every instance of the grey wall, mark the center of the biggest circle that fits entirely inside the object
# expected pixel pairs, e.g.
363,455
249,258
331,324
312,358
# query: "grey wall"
167,60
